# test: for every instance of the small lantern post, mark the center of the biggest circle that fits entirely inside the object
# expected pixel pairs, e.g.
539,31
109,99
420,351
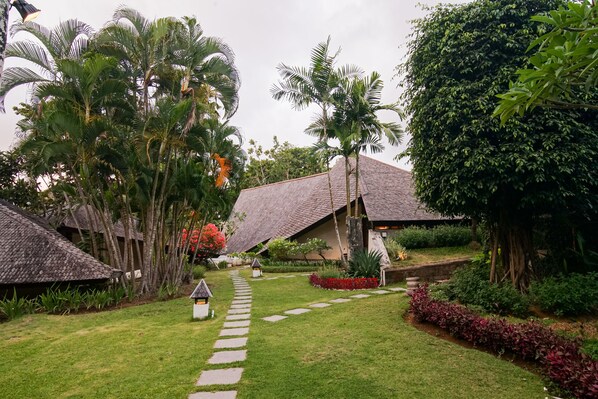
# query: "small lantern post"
200,296
256,267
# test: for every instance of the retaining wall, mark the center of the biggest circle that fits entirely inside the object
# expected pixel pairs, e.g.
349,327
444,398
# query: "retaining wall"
428,272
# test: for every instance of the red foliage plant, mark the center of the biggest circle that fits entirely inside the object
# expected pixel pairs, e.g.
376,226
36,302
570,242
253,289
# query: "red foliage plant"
343,283
211,241
559,357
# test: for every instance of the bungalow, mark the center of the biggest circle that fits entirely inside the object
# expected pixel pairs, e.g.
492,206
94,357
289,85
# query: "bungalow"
34,256
300,209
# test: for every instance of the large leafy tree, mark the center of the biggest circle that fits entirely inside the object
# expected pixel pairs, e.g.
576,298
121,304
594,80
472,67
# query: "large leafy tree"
281,162
466,163
564,70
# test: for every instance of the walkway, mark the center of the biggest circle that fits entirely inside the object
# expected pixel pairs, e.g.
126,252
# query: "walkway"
230,348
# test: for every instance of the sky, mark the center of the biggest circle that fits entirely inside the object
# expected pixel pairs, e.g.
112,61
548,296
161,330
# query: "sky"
263,33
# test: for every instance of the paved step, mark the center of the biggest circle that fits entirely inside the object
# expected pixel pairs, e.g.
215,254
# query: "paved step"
228,357
275,318
360,296
214,395
234,331
380,292
238,311
340,300
297,311
233,324
240,301
220,377
241,306
230,343
319,305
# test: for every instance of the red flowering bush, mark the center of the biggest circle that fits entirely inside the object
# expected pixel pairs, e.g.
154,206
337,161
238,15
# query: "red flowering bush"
343,283
210,242
560,358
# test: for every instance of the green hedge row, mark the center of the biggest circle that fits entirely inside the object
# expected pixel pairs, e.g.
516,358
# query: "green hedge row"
440,236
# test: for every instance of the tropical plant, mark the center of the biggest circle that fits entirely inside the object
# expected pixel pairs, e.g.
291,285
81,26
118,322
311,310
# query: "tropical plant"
365,264
68,40
564,70
315,85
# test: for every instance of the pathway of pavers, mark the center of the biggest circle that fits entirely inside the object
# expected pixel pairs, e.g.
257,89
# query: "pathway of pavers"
229,348
275,318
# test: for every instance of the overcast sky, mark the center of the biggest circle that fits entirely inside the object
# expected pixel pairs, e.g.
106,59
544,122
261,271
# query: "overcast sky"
263,33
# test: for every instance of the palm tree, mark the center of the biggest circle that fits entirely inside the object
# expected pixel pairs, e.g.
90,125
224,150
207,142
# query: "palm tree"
67,40
315,85
356,126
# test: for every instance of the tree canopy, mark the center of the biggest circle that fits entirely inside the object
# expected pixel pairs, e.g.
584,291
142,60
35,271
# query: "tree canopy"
281,162
466,163
563,73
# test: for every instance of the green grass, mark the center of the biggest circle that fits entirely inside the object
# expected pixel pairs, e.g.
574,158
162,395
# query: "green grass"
428,255
360,349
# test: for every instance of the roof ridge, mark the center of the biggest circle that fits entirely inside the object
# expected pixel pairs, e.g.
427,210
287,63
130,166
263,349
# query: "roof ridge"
285,181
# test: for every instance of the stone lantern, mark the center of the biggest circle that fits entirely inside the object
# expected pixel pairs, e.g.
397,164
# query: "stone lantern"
256,268
200,296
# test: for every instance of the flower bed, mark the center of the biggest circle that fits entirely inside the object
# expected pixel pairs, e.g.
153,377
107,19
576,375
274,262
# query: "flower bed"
560,358
357,283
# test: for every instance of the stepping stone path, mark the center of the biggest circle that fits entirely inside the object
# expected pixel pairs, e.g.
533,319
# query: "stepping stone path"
236,325
277,318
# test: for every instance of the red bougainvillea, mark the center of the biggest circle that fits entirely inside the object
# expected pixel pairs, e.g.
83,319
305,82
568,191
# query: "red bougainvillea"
560,357
343,283
210,242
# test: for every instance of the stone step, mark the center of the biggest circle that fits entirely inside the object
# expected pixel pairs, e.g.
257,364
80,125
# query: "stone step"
220,377
230,343
228,357
234,331
214,395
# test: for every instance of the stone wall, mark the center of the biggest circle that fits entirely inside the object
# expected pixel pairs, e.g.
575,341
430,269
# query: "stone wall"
428,272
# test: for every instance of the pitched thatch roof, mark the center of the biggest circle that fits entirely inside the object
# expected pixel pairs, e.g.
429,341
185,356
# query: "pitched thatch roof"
287,208
86,217
32,252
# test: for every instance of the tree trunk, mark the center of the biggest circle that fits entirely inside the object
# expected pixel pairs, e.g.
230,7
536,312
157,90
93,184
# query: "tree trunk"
354,235
516,253
336,230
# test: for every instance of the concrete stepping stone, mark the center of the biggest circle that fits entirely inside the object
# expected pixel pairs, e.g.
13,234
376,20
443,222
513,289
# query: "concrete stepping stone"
306,274
234,331
242,297
319,305
239,311
241,306
238,316
360,296
242,286
230,343
240,301
228,357
234,324
243,292
271,278
220,377
398,289
381,292
214,395
289,276
297,311
339,300
275,318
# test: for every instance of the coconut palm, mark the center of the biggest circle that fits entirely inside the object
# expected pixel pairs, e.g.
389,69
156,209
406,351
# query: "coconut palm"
67,40
315,85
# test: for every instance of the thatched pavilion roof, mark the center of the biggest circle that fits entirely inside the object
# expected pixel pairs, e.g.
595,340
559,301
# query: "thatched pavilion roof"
32,252
287,208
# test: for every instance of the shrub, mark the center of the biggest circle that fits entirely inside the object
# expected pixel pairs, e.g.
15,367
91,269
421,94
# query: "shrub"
314,245
440,236
343,283
211,240
330,272
282,249
365,264
470,286
560,358
222,264
289,269
414,237
15,307
199,272
570,295
168,291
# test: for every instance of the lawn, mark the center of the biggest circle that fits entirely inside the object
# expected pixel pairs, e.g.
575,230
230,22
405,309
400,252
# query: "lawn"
360,349
429,255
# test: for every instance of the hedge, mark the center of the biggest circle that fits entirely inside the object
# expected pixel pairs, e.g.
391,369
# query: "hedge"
357,283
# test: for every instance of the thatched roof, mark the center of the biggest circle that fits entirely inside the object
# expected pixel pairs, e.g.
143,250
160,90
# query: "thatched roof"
86,218
32,252
287,208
